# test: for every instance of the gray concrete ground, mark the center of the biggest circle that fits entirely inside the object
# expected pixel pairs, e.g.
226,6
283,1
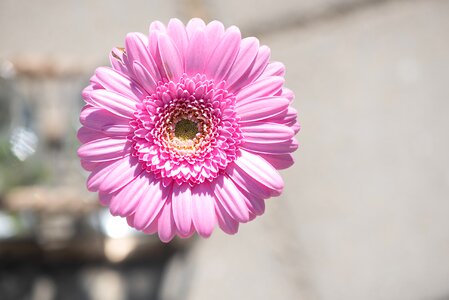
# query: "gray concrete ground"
366,208
365,213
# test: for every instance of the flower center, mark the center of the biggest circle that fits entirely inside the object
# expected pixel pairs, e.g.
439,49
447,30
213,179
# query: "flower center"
186,129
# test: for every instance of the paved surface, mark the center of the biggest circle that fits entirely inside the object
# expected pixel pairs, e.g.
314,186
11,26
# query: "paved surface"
365,210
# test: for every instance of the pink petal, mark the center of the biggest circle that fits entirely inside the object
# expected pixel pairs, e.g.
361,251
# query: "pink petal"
287,117
188,234
130,220
86,135
88,165
150,206
287,93
193,26
280,162
178,34
214,34
182,208
203,212
104,149
296,127
125,171
113,102
166,223
258,66
157,26
117,62
102,120
285,147
86,94
170,58
144,77
266,133
157,70
247,183
231,198
196,53
126,201
255,205
116,82
105,198
225,221
99,174
254,109
264,87
260,170
224,54
243,63
274,69
136,45
152,227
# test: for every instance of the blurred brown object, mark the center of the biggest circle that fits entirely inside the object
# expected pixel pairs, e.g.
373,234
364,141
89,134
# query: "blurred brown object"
59,199
50,66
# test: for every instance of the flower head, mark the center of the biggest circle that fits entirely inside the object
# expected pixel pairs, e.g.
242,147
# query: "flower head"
187,129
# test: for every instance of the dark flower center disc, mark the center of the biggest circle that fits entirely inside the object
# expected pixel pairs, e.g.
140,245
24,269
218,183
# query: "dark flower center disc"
186,129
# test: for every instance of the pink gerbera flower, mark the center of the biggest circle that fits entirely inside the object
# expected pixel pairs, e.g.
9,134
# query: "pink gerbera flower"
187,129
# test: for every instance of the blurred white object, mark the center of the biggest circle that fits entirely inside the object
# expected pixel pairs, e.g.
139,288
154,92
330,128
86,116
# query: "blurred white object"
23,143
7,70
6,225
115,227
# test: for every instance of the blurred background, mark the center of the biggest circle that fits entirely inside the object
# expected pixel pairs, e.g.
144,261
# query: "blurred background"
365,212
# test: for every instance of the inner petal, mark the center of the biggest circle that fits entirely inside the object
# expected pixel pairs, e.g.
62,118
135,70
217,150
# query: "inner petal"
186,129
